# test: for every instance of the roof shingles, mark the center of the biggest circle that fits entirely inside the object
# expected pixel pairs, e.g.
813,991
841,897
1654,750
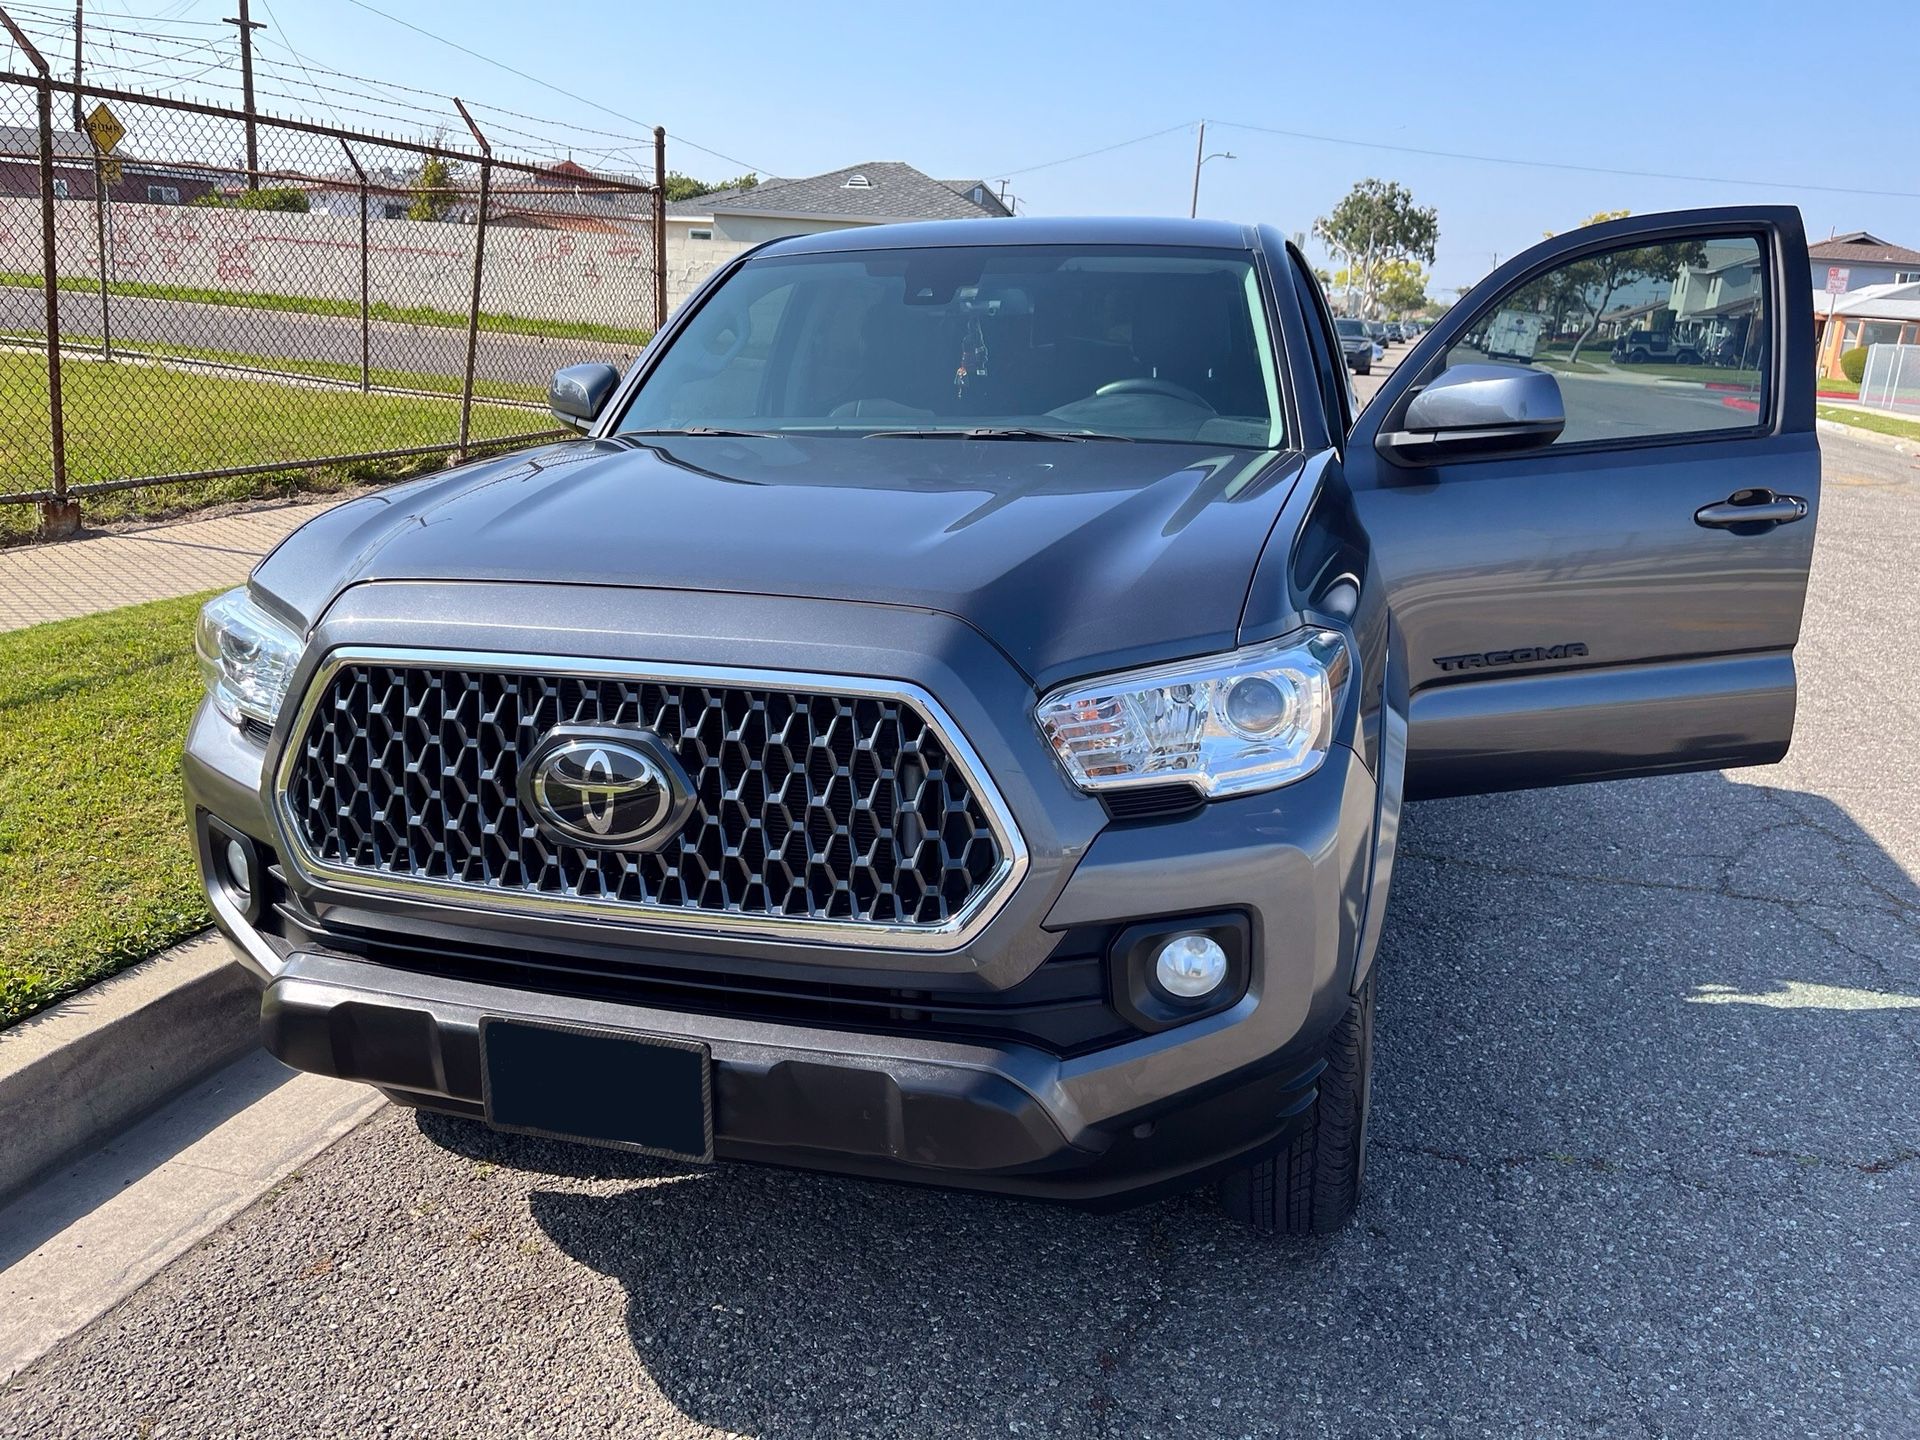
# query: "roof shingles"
894,191
1865,248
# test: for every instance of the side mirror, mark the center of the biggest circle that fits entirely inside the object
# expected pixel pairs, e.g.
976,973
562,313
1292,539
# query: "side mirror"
1468,411
577,394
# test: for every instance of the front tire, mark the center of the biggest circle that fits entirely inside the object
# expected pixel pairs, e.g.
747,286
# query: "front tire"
1312,1186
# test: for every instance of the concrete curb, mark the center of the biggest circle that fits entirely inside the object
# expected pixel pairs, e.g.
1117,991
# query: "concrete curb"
88,1067
1872,437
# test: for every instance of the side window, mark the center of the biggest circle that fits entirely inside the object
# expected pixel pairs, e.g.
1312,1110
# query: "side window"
1329,362
1653,340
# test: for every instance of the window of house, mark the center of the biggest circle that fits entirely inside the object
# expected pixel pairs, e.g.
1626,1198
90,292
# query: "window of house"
59,189
163,194
1906,277
1644,340
699,234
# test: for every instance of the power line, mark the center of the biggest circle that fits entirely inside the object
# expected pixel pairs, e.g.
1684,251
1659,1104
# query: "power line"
286,43
1083,155
549,85
1566,165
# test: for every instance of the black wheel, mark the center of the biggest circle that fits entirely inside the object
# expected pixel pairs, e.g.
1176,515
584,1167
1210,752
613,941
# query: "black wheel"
1312,1186
1367,369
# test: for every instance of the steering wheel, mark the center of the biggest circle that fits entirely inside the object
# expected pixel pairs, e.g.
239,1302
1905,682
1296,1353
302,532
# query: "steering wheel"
1147,385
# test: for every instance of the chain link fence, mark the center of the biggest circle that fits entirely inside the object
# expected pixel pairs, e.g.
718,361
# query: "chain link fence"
1891,380
188,292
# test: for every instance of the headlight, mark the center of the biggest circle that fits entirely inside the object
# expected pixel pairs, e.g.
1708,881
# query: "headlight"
246,657
1226,725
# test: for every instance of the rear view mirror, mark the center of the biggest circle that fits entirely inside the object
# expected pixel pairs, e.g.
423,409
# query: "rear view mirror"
1472,410
577,394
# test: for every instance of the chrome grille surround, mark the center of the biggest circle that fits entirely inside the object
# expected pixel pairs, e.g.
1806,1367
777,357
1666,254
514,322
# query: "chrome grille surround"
842,720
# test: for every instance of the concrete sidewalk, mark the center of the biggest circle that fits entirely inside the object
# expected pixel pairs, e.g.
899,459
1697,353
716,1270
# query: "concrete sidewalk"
65,578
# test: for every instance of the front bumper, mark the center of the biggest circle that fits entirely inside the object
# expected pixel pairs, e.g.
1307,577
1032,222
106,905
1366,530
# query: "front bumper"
885,1107
1139,1111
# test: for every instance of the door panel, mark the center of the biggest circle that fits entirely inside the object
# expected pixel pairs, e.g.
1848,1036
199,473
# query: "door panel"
1565,615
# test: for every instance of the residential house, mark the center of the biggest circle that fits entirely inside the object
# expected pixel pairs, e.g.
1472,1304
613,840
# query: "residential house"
1866,259
1861,319
141,182
708,230
1873,304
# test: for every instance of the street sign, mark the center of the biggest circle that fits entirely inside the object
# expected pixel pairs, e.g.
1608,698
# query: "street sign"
1837,276
110,173
105,128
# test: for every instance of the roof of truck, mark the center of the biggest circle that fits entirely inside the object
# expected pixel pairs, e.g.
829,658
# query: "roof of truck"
1024,230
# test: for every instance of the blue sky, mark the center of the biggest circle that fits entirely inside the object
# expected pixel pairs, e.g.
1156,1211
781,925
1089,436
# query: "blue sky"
991,89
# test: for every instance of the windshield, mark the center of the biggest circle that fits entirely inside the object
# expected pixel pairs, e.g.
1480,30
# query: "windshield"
1352,329
1005,341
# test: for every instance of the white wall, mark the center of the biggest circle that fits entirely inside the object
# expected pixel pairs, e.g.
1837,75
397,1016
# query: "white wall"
690,261
544,274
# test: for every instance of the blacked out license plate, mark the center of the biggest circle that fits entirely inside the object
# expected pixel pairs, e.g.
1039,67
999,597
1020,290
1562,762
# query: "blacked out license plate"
651,1093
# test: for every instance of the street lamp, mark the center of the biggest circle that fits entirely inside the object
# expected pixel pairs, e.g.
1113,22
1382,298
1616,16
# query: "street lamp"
1199,159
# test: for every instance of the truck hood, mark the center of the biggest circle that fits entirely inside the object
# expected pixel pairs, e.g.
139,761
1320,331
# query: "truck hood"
1070,556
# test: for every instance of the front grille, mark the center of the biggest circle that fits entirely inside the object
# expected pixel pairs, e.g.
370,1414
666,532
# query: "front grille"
813,807
1063,1007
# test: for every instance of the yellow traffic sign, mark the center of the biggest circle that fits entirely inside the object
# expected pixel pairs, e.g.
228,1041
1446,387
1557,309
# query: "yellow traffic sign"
105,128
110,173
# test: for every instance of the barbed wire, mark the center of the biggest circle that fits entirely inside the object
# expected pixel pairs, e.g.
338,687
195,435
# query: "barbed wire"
119,55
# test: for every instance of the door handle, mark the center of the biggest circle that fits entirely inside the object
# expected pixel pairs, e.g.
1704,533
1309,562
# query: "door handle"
1758,508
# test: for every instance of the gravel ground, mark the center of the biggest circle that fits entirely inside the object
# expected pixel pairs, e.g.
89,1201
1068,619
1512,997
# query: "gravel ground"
1646,1161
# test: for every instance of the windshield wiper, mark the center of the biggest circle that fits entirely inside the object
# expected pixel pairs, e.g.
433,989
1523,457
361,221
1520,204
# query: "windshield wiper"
996,432
700,430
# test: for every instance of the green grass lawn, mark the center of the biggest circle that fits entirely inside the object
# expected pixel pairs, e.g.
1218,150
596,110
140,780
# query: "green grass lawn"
311,305
77,345
130,419
96,870
1868,420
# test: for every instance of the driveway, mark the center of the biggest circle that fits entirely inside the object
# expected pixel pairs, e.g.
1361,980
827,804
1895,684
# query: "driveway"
1645,1161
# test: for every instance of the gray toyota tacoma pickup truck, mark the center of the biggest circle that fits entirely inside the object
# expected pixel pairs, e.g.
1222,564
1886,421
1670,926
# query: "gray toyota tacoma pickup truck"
947,717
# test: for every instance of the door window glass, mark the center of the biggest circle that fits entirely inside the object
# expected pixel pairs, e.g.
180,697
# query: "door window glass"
1646,340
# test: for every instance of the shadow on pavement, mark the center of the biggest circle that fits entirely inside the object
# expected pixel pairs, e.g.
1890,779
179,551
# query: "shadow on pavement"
1646,1152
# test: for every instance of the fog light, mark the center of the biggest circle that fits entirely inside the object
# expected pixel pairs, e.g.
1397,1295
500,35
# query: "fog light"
1190,967
239,873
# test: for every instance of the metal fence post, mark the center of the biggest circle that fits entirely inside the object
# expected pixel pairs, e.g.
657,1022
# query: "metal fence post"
100,231
659,226
479,267
58,516
365,328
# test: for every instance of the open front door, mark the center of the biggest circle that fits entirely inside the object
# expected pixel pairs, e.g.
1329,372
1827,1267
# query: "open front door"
1616,589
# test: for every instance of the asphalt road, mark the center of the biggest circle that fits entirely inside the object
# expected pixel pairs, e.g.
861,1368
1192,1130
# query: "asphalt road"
422,349
1645,1161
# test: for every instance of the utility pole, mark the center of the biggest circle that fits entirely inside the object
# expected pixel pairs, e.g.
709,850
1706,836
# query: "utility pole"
1200,157
79,122
1199,149
247,26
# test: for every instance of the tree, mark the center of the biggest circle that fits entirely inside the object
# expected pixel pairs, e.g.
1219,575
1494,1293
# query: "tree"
432,190
1585,288
685,187
273,197
1402,286
1377,223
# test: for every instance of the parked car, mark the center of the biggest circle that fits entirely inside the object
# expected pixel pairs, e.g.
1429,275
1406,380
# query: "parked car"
1641,347
949,715
1378,330
1356,345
